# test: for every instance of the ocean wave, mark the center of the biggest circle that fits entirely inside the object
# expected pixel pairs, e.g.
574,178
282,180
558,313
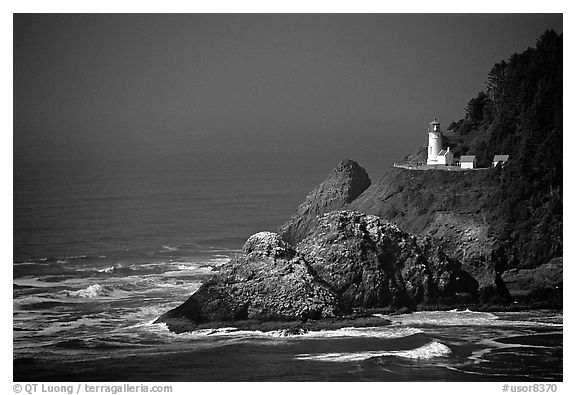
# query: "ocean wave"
386,332
91,291
38,282
128,270
197,269
78,257
69,326
463,318
428,351
25,263
32,300
162,328
444,318
219,260
184,265
381,332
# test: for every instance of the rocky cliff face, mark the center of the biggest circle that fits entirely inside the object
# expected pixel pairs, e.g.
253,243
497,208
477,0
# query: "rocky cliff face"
370,262
535,285
457,211
346,182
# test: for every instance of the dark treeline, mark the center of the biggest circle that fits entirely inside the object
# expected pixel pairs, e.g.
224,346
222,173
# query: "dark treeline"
520,114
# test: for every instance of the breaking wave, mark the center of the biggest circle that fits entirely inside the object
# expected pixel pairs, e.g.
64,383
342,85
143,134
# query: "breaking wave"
92,291
427,351
386,332
383,332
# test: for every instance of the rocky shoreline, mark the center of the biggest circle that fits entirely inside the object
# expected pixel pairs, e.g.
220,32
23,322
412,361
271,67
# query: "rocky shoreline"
285,328
330,267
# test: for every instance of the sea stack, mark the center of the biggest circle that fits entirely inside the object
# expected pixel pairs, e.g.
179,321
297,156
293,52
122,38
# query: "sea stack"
344,184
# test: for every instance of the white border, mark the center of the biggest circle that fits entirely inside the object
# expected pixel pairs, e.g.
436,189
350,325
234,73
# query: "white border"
335,6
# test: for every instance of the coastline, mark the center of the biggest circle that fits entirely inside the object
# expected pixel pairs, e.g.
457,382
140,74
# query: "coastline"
360,319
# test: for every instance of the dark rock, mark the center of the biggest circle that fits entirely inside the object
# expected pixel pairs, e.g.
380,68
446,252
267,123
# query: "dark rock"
372,263
267,282
401,311
346,182
531,285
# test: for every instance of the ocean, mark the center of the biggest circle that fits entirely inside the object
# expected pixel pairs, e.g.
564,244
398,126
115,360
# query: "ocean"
103,247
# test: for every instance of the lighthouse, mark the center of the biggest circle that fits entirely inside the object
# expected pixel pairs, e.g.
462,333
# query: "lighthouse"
434,142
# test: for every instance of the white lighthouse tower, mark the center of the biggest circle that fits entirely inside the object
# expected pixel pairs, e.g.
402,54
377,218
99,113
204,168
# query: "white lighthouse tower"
434,142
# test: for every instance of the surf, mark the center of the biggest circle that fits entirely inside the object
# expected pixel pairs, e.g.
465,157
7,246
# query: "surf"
431,350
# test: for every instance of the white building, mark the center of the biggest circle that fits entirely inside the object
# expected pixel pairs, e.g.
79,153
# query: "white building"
434,142
468,161
445,157
499,159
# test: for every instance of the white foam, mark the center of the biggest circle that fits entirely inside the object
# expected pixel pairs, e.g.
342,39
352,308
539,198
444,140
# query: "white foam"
187,287
219,260
427,351
461,318
369,332
444,318
184,265
382,332
286,333
89,292
195,268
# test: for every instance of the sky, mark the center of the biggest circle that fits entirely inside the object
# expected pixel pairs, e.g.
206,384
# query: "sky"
251,86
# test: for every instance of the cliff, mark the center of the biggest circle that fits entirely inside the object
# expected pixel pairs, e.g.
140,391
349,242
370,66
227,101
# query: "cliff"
459,213
458,210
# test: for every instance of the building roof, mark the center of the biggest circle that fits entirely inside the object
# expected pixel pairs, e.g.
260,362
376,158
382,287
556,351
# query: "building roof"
500,158
444,152
435,122
467,158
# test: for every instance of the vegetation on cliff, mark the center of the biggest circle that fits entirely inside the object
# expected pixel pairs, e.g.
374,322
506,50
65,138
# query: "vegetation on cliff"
520,114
